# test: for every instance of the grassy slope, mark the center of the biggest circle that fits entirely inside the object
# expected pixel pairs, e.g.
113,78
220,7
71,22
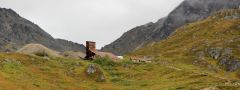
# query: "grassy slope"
24,72
212,32
181,48
172,68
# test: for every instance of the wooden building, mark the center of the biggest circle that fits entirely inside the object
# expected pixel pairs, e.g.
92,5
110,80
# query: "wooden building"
90,48
92,52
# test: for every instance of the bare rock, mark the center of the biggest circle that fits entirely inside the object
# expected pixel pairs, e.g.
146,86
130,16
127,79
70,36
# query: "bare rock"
91,69
94,72
215,53
229,63
16,31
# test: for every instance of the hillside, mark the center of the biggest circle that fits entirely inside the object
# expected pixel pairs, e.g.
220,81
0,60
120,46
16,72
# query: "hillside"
16,31
187,12
212,44
198,56
133,39
203,55
24,72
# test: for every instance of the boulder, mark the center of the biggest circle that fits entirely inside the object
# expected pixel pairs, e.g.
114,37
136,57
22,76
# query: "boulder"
94,72
215,53
229,63
91,69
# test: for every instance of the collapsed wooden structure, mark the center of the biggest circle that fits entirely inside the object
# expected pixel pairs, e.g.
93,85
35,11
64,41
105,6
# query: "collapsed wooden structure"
92,52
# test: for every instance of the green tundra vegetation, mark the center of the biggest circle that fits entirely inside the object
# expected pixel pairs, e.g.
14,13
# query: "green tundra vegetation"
184,61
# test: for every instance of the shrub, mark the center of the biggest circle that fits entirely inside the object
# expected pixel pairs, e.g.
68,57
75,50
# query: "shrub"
12,67
104,62
128,62
116,79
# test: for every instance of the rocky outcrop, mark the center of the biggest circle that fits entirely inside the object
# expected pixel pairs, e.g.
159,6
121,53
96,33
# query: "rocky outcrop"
15,32
187,12
94,72
215,53
225,58
229,63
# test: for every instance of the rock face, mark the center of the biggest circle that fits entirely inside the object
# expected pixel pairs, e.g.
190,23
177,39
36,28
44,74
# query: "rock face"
229,63
188,11
225,58
16,32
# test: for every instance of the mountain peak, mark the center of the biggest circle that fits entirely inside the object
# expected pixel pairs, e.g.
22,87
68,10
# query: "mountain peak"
187,12
16,32
8,11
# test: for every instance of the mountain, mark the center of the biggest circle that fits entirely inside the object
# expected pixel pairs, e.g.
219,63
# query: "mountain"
133,39
204,55
16,31
212,43
188,11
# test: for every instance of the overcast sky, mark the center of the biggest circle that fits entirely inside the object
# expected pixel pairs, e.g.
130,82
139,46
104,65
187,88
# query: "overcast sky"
102,21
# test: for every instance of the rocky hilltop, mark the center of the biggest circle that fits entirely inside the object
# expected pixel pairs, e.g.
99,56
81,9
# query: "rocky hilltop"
187,12
16,31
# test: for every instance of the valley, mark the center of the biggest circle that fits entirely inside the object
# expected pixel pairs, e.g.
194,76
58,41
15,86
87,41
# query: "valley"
174,66
196,47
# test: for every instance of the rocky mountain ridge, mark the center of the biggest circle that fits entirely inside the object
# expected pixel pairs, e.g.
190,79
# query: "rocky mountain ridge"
211,43
188,11
16,31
